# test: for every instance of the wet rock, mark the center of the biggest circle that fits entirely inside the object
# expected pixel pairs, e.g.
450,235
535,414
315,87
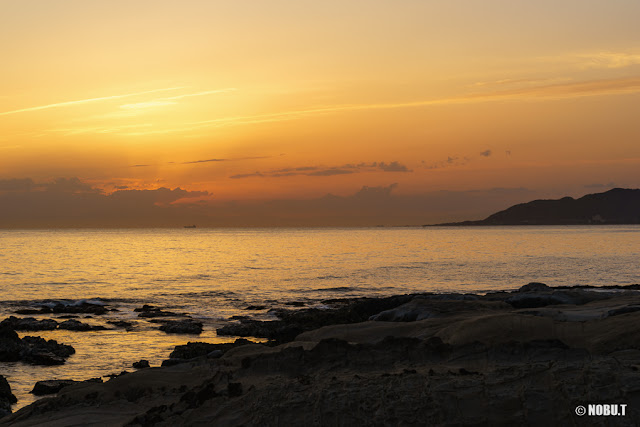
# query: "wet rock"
421,308
534,287
197,349
181,327
141,364
173,362
33,350
42,388
74,325
43,310
6,397
38,351
84,307
534,300
29,324
10,345
121,324
150,311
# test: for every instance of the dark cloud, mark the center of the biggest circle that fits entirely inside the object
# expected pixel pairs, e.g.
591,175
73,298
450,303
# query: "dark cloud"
486,153
69,185
393,167
330,172
246,175
348,168
69,202
72,203
16,184
139,166
205,161
223,160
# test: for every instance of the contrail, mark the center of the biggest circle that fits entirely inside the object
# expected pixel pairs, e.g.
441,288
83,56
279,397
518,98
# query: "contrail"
84,101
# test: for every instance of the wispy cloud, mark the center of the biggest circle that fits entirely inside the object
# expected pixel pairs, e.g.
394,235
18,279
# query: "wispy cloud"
548,91
224,160
607,59
170,100
86,101
320,171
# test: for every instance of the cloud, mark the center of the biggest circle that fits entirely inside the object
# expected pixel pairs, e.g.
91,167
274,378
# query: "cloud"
59,185
246,175
204,161
170,100
69,185
330,172
485,153
547,91
223,160
540,91
345,169
16,184
69,202
85,101
393,167
608,59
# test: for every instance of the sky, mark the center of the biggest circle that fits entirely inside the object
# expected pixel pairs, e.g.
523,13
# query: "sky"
296,112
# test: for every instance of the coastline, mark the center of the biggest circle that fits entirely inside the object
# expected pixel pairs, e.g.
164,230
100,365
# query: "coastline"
533,355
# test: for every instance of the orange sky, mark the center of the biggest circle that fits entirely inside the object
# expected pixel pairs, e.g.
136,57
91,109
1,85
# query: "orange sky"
260,100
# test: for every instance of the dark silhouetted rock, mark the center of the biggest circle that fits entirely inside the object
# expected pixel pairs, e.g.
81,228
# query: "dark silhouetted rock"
38,351
294,322
29,324
141,364
84,307
74,325
121,324
150,311
33,350
43,310
42,388
534,287
6,397
198,349
10,345
256,307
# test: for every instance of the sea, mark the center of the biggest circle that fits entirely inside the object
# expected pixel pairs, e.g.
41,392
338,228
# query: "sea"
214,274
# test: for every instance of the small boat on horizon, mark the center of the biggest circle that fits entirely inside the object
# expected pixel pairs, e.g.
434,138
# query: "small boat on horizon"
190,226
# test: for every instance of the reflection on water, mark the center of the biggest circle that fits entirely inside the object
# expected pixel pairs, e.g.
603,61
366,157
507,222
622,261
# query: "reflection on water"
215,274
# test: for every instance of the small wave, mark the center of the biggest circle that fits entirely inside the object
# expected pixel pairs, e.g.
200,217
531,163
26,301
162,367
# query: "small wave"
329,277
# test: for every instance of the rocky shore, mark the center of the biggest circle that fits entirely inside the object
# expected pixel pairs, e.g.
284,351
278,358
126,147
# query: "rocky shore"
527,357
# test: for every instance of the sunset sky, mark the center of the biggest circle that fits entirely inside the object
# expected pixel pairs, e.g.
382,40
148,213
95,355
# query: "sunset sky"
268,103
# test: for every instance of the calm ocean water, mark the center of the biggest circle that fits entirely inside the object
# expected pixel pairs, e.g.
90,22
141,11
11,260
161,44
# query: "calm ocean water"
213,274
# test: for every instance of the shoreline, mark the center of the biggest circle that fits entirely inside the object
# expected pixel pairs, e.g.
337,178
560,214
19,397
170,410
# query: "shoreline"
533,355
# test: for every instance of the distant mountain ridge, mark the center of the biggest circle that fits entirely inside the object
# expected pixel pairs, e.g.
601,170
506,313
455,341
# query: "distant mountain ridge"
616,206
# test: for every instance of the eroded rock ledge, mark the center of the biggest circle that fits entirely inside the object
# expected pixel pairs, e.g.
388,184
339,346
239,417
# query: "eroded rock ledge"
445,360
